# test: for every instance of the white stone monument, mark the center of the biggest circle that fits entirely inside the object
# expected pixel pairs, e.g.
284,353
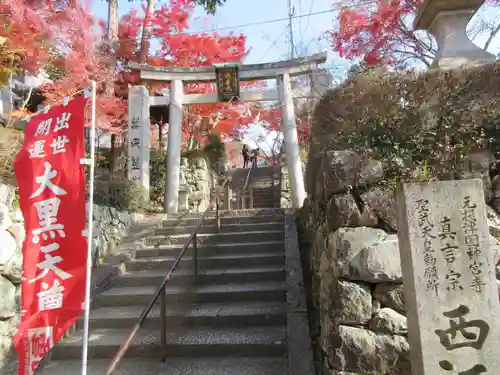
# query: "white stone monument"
447,22
138,136
449,279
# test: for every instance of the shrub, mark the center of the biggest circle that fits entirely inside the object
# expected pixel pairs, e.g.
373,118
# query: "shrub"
410,120
115,190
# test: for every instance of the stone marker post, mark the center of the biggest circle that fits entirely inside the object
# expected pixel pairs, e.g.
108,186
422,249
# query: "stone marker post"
449,280
138,135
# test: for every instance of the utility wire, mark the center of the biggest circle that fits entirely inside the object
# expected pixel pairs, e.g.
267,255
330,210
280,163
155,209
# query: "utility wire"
239,26
257,23
274,43
308,18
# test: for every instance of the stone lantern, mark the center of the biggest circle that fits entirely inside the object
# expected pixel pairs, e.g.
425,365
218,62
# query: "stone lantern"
447,21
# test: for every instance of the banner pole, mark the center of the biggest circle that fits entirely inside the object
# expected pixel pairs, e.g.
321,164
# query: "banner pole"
85,343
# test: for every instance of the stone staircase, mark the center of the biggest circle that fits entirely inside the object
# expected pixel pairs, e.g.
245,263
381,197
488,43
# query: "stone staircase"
265,191
234,318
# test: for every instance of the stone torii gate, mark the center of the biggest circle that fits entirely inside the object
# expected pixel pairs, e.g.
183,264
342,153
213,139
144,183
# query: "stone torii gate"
139,102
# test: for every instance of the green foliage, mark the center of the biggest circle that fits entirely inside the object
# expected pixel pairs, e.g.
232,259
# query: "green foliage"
215,149
210,5
158,176
114,190
421,126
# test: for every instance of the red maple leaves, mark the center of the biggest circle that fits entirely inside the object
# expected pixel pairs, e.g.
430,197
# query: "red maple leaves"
378,32
40,27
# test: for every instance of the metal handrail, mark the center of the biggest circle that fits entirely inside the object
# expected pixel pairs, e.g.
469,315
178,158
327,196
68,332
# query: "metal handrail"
244,190
160,291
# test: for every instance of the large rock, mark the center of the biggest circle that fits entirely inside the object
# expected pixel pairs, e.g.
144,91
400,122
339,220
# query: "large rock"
355,303
7,194
8,305
325,273
346,243
8,247
495,187
5,220
344,211
495,249
13,268
341,169
17,230
391,295
388,321
381,201
7,332
306,220
377,263
477,165
359,351
366,254
493,221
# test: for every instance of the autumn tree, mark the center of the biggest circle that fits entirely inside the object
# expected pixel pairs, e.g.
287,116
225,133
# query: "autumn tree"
381,31
81,59
62,41
178,48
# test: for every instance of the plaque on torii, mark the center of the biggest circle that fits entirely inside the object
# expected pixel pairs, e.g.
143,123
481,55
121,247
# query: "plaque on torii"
227,76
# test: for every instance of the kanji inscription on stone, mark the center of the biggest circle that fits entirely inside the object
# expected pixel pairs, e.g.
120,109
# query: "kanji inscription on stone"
449,278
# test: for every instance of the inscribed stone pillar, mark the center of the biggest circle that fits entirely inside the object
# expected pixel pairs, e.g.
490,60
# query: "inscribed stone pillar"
291,141
138,136
447,22
449,279
174,147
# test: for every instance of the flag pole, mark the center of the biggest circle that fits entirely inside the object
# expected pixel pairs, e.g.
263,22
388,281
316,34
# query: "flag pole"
89,236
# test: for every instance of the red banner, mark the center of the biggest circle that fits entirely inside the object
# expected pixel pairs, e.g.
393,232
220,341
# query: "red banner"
52,199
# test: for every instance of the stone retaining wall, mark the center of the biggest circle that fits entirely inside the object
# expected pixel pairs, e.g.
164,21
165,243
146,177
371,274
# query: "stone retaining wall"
349,226
110,226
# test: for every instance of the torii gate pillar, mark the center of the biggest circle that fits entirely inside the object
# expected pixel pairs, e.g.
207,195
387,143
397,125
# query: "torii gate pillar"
291,141
171,201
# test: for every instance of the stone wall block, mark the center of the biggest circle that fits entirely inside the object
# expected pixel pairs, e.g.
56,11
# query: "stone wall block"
341,169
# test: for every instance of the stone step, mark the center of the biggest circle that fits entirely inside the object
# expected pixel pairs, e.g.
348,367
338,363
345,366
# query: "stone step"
230,314
224,220
264,191
265,204
191,293
224,213
265,198
264,194
213,276
207,342
158,258
217,238
173,366
226,228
